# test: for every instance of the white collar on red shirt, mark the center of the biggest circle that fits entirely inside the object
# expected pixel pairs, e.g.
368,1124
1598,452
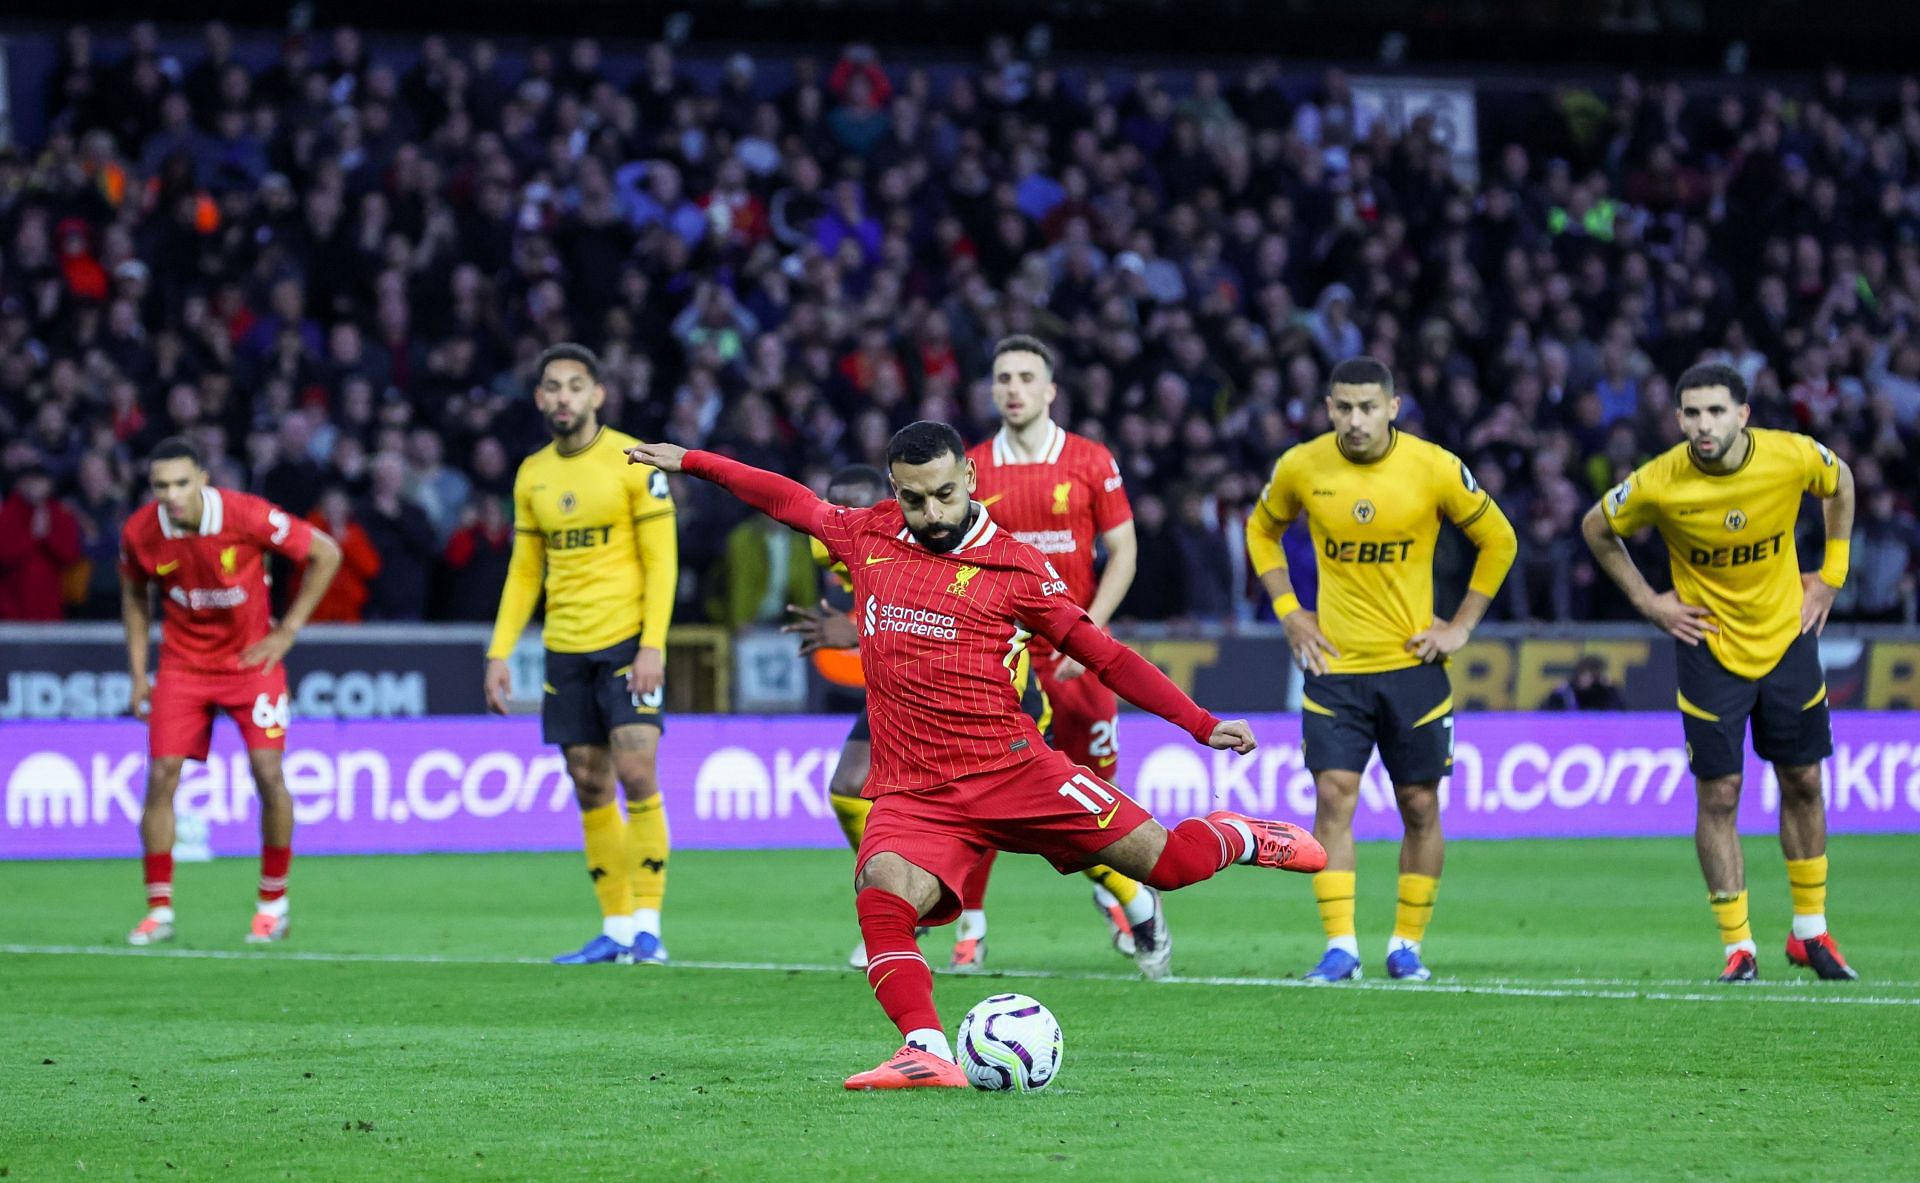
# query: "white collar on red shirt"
1003,452
979,534
213,512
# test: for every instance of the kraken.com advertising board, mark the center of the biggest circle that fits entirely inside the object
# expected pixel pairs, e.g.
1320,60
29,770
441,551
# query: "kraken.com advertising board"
73,790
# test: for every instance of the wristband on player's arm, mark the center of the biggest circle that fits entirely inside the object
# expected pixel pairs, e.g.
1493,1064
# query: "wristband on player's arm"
1285,606
1833,572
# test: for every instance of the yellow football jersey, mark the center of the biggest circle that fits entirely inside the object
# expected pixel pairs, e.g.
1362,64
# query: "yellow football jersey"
1374,525
1730,536
601,531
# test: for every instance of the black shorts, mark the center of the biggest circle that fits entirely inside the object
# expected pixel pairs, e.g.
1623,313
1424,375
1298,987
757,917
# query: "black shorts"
1407,714
1788,706
1033,703
587,696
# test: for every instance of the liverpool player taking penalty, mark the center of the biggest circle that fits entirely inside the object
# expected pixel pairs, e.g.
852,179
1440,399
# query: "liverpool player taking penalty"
600,536
1373,654
830,636
1746,618
943,595
1061,493
203,550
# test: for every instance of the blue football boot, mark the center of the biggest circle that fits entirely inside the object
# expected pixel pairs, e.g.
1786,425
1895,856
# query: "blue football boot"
598,951
1336,965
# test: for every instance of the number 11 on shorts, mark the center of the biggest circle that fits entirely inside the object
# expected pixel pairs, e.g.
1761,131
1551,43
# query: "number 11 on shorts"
1081,781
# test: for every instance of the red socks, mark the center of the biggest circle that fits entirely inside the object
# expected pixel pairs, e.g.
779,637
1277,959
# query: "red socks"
895,969
159,875
274,861
273,872
973,893
1196,849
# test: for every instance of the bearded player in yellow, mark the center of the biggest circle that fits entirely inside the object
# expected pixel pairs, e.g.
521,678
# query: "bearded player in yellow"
601,532
1373,654
1746,618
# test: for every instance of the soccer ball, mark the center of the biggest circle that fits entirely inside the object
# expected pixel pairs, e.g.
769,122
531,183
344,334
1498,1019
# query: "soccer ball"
1010,1042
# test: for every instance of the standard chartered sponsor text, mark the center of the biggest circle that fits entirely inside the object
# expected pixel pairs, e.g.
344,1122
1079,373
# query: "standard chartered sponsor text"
1049,542
918,622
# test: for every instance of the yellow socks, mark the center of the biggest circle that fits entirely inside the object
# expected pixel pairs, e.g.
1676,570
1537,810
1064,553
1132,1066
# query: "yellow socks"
1119,886
647,845
1415,907
1137,904
1730,912
852,812
1807,880
606,842
1333,892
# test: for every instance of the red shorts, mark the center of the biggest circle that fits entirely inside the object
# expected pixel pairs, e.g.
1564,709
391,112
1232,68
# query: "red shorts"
1086,717
1048,806
180,721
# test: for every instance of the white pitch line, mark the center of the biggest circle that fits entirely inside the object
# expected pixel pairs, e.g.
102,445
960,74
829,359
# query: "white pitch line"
1499,988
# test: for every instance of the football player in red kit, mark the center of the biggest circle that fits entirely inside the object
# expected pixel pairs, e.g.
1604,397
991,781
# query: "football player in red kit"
204,551
944,599
1060,493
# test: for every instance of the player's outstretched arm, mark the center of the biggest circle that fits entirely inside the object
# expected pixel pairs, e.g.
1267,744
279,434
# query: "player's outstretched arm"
785,501
1141,683
1687,623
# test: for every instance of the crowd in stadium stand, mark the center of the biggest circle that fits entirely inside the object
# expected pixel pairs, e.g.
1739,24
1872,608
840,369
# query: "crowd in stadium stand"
334,271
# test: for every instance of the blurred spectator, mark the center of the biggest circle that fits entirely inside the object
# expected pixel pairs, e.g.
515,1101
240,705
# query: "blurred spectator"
100,505
1159,550
1206,569
403,537
346,597
476,560
1586,689
1540,586
1886,545
304,254
440,491
764,567
39,542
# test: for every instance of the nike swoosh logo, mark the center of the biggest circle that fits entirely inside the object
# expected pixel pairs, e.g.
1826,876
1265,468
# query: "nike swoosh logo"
167,568
872,559
1105,821
987,501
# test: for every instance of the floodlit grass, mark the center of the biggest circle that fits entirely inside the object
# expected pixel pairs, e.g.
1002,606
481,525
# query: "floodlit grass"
410,1029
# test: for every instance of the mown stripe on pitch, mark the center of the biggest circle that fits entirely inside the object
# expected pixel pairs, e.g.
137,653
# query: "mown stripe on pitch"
1627,990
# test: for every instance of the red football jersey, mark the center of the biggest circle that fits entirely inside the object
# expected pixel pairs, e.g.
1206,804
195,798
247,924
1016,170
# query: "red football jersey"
213,580
1058,504
939,634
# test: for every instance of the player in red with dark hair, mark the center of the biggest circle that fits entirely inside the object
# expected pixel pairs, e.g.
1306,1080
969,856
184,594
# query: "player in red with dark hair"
945,599
1060,493
204,550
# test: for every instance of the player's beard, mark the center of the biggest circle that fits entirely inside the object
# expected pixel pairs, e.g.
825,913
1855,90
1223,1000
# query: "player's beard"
944,538
562,432
1721,447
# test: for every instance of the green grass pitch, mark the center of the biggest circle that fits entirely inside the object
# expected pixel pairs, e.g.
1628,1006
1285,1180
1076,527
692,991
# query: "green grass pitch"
410,1029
